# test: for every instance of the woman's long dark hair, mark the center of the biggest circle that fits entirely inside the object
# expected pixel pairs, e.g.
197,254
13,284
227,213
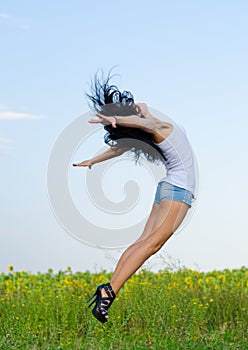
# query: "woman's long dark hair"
108,100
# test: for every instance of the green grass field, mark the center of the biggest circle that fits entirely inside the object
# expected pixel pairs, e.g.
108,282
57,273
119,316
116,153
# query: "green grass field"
184,309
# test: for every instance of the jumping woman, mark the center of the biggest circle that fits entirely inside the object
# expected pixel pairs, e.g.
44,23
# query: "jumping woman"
131,127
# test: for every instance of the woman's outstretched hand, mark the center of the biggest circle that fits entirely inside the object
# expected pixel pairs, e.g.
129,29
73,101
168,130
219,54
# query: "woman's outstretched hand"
85,163
103,119
142,111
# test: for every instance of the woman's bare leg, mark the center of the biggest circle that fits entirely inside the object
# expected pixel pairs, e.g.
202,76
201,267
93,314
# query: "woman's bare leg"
169,216
146,232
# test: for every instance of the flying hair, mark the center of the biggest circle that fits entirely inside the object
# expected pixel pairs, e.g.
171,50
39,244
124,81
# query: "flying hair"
108,100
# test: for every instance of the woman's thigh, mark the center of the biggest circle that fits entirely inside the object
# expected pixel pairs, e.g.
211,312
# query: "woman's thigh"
168,215
149,223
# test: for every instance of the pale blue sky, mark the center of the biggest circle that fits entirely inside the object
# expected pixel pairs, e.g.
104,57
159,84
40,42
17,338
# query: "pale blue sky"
186,58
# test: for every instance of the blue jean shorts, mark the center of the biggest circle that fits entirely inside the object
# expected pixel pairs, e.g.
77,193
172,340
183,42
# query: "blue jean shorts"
167,191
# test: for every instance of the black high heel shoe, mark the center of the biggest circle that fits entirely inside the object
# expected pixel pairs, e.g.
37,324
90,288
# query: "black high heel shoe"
100,310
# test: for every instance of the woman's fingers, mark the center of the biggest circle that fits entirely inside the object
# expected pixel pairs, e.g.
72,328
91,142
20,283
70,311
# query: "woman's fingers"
77,164
101,115
103,119
95,121
84,164
113,123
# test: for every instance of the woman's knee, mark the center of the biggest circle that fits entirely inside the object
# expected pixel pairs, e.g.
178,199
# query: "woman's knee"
154,244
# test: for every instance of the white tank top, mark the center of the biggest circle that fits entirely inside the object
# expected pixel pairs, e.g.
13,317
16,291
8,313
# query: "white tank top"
179,161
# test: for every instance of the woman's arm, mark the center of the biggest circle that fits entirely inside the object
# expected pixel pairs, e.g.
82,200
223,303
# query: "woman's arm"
151,125
133,121
110,153
144,121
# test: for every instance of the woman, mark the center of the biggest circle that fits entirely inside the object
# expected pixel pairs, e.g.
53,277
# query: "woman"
131,127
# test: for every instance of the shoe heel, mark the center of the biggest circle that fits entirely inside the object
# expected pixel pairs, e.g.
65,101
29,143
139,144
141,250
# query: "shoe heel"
94,295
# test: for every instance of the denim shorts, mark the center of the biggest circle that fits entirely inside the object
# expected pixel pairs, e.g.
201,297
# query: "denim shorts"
167,191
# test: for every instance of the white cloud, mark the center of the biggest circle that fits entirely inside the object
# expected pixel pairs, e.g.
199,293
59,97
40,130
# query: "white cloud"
5,145
4,15
8,115
3,140
17,22
3,107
